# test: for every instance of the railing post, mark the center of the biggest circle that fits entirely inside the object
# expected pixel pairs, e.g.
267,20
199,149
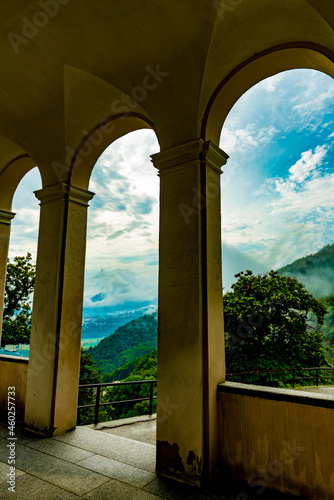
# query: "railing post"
317,375
97,405
293,378
151,399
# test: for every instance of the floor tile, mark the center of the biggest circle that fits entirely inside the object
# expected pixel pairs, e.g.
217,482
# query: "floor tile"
4,470
60,450
118,470
125,450
113,490
31,488
4,454
23,436
58,472
87,464
173,490
131,428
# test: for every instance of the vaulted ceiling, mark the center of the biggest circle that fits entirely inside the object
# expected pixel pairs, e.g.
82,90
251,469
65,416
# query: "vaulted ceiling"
69,65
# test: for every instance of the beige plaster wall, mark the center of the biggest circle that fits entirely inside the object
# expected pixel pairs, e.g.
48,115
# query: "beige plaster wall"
13,374
283,445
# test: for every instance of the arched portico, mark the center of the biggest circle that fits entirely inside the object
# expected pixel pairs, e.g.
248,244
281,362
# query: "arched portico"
65,106
235,84
255,69
190,345
97,140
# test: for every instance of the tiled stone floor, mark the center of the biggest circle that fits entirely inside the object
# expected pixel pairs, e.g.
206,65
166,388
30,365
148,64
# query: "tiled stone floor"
94,465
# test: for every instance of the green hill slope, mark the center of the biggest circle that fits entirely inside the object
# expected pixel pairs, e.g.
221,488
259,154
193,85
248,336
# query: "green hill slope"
145,368
130,341
315,271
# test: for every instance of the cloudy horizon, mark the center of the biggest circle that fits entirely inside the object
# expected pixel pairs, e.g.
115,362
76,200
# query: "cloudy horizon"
277,193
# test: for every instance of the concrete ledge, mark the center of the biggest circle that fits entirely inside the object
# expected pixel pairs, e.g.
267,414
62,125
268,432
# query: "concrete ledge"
123,421
277,439
274,394
13,359
13,373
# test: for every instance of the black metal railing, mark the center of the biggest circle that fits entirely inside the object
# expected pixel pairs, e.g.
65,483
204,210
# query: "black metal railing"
98,404
267,377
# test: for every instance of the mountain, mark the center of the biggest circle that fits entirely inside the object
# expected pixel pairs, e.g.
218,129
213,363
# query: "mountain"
100,322
130,341
129,307
315,271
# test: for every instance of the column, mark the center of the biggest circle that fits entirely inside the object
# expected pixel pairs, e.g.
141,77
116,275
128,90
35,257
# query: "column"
53,372
190,315
5,222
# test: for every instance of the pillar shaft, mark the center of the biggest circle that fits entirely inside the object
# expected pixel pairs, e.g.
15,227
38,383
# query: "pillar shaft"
191,333
5,222
53,373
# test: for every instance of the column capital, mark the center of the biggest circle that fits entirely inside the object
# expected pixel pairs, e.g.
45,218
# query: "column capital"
193,151
6,217
64,191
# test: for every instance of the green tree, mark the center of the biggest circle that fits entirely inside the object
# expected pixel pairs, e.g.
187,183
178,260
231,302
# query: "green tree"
20,280
328,327
272,321
145,368
88,375
329,320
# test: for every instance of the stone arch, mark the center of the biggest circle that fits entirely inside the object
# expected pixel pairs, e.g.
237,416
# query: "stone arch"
10,177
255,69
15,163
97,113
97,140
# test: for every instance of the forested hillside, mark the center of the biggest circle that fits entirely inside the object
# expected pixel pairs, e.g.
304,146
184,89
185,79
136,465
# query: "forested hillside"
145,368
316,271
142,368
133,340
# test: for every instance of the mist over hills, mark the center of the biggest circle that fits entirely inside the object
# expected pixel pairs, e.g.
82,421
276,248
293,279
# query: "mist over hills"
131,335
98,322
315,271
129,332
128,307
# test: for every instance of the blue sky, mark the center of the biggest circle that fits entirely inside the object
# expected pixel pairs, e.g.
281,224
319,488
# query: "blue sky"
277,189
277,192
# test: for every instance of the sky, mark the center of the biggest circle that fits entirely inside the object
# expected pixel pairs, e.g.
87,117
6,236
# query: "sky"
277,193
278,185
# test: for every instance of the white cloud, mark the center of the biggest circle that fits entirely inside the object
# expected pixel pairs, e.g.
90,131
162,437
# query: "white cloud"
313,99
283,218
308,162
271,84
315,194
123,222
250,137
117,285
124,213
